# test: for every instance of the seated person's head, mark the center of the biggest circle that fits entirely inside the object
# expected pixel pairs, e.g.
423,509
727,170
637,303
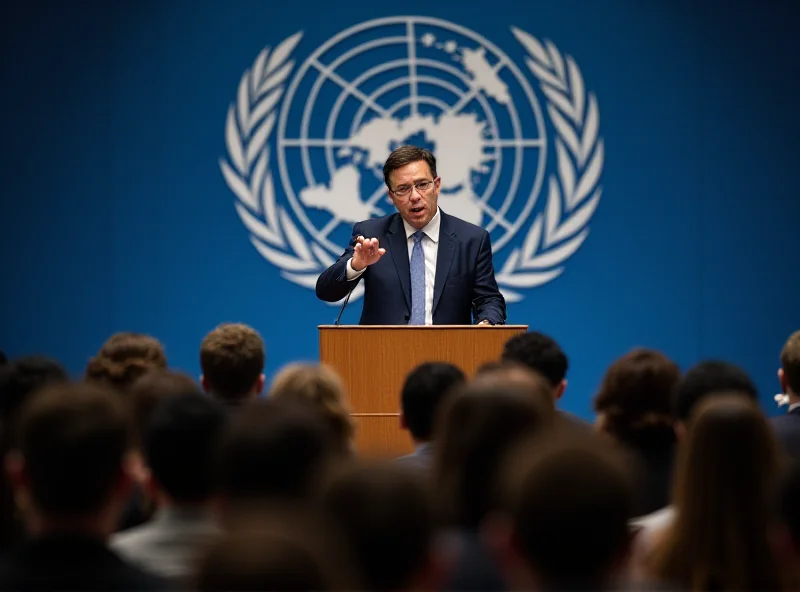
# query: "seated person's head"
385,516
125,357
424,391
319,386
563,524
23,377
180,447
542,354
704,380
476,428
71,461
153,388
273,451
634,403
789,373
232,360
3,358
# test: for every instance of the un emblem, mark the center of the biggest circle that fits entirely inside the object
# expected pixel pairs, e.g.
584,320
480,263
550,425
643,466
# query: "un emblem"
323,135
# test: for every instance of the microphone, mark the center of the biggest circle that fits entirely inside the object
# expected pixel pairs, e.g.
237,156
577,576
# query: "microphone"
346,300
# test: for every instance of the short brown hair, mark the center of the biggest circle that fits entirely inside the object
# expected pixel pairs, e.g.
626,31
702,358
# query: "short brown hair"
790,361
124,357
232,358
320,386
73,438
151,389
404,155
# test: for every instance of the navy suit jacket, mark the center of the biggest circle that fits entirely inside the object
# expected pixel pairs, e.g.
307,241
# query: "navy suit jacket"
787,431
464,275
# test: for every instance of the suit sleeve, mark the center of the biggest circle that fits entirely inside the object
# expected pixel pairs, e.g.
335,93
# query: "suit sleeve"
489,302
332,284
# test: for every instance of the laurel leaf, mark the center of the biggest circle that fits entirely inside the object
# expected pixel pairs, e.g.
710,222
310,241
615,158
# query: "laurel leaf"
511,263
322,255
558,99
257,228
529,280
257,73
590,175
510,296
266,105
259,139
257,177
558,61
576,88
552,210
590,130
238,186
268,202
276,78
280,53
296,240
282,260
559,254
564,130
544,76
566,172
579,218
532,45
243,106
533,239
232,140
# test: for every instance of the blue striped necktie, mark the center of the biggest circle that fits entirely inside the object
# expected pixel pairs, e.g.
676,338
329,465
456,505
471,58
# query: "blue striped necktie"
417,281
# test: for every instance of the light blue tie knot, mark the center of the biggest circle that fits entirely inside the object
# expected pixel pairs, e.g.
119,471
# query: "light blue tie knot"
417,281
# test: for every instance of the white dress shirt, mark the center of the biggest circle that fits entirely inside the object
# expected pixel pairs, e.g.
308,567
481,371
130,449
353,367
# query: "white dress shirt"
430,247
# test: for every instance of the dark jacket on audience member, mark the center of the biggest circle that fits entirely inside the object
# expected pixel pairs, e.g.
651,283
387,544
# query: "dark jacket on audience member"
71,562
787,431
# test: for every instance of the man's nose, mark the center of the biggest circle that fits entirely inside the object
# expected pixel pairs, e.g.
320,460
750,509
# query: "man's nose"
416,194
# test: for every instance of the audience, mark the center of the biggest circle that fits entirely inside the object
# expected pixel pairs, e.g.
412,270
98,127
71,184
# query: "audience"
179,447
232,360
70,470
319,386
424,392
123,358
787,427
634,407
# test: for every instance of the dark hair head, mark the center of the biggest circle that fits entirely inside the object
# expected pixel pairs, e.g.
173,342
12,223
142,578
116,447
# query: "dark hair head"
707,378
232,358
790,362
635,400
181,444
152,388
789,504
73,439
24,376
476,429
3,358
424,390
404,155
384,513
274,450
124,357
538,352
569,499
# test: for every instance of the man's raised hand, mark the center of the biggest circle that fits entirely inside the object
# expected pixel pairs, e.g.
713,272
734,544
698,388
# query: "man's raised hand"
366,252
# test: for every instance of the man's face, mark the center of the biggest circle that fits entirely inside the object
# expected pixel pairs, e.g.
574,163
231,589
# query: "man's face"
418,207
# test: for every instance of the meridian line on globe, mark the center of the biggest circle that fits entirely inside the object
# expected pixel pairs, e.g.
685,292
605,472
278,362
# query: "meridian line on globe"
412,66
333,76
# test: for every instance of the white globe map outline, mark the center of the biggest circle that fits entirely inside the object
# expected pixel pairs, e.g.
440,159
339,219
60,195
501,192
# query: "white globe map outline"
410,40
555,234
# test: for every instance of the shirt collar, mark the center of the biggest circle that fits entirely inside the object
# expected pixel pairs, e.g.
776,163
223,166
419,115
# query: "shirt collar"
431,229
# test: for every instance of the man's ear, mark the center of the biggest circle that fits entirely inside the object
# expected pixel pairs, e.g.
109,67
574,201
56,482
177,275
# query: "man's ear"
204,383
782,380
260,381
680,430
559,391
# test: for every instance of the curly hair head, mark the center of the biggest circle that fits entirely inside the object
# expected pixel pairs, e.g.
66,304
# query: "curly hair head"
124,358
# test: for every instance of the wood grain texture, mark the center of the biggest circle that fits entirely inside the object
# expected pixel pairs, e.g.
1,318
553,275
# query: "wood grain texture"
373,361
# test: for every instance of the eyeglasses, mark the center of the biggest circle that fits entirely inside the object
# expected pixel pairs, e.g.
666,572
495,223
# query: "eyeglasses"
405,190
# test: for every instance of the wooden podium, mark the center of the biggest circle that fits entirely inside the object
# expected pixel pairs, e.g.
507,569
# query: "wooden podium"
373,361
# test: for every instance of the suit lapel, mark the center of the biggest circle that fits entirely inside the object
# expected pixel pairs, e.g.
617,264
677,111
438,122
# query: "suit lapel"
447,252
397,244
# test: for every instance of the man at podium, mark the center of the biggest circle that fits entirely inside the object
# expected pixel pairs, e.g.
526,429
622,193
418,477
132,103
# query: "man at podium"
420,265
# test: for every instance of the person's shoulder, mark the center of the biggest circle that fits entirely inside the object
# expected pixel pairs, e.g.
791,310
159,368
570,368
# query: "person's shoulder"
461,227
379,225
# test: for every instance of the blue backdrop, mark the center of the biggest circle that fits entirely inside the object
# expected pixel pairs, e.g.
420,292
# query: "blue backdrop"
666,216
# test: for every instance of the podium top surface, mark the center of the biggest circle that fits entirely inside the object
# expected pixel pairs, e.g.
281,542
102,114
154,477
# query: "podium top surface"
424,327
